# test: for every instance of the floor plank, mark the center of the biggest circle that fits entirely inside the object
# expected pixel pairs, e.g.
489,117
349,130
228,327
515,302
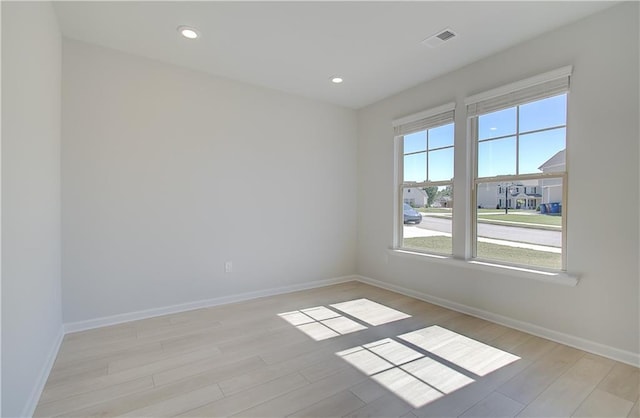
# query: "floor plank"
250,398
305,396
178,404
62,406
604,405
496,405
622,381
526,386
145,398
337,405
566,393
635,411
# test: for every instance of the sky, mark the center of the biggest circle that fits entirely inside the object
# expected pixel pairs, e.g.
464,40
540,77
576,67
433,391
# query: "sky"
495,156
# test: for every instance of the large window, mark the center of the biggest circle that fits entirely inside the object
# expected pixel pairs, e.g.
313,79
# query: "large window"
512,190
520,176
426,180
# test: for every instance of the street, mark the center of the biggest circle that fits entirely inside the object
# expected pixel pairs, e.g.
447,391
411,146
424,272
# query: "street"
507,233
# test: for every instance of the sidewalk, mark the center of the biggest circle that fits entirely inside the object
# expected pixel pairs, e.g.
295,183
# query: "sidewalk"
415,232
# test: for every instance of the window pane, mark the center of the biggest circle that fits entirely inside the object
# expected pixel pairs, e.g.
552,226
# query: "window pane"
441,136
427,219
542,151
545,113
520,222
416,141
497,124
441,164
497,157
415,167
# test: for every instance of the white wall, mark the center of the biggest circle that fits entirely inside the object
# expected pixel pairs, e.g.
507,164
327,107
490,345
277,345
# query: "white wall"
602,160
31,312
156,164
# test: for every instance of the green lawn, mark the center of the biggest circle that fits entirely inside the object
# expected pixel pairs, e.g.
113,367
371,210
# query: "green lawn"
438,244
485,210
527,219
515,255
433,210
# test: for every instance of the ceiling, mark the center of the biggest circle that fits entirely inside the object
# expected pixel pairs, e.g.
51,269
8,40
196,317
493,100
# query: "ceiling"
297,46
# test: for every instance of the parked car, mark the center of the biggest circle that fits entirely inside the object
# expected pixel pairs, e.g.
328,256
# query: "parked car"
411,215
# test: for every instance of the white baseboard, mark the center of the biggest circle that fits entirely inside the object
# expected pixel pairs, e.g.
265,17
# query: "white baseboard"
623,356
189,306
30,407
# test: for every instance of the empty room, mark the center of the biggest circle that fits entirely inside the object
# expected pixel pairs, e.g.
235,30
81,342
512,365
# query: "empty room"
320,209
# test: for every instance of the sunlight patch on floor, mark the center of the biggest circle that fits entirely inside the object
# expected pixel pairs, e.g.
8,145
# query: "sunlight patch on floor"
318,331
394,352
320,312
365,360
439,376
370,312
474,356
406,386
419,366
410,375
321,323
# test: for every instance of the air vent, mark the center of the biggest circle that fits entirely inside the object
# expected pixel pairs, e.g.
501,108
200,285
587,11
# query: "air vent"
439,38
447,34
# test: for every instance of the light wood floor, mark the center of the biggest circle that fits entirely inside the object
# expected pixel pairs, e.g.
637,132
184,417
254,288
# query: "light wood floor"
387,355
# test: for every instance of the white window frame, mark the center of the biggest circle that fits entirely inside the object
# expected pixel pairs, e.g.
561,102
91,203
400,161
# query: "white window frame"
422,121
516,94
464,182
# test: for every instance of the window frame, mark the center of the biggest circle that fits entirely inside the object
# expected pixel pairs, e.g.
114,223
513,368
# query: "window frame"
473,133
422,121
464,239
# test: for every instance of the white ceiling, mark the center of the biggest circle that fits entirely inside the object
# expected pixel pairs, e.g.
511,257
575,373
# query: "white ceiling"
296,46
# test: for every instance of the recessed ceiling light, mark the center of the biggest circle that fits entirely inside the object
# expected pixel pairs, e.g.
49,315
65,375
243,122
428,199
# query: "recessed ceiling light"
187,32
336,79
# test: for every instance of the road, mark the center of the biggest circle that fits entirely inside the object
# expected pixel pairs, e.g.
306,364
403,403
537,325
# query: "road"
507,233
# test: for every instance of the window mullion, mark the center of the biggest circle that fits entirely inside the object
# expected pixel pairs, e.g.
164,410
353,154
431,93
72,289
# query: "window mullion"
517,140
472,235
427,158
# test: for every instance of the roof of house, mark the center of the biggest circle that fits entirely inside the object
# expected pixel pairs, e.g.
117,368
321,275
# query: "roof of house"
556,160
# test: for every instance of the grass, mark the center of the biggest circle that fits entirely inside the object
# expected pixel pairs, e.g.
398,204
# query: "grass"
437,244
504,253
434,210
526,219
485,210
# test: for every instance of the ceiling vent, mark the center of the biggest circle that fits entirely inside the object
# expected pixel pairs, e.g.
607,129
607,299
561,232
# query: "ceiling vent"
439,38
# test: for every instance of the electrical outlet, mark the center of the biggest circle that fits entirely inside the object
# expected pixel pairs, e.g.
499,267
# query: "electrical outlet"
228,267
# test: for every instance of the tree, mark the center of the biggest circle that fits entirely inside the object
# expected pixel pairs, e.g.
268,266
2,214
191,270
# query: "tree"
432,192
445,196
447,191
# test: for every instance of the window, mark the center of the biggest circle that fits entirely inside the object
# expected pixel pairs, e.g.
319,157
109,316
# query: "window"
512,190
425,169
519,185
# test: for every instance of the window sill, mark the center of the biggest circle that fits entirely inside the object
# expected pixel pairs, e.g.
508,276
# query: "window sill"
561,278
